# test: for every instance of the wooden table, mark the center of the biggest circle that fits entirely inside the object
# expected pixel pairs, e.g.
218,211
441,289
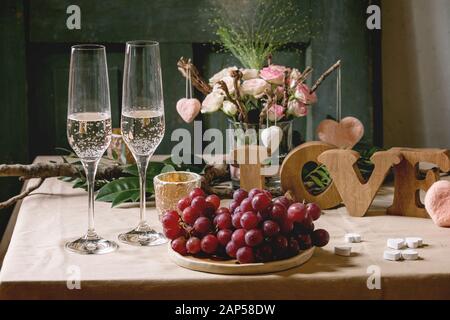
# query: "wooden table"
36,265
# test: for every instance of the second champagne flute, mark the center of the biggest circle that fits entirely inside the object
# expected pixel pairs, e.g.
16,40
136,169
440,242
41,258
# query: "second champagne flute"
142,123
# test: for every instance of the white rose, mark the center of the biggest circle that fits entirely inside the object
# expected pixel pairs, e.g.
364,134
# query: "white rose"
212,102
221,74
229,81
254,87
248,74
229,108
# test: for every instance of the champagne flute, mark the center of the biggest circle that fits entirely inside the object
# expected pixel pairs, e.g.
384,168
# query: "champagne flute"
142,123
89,129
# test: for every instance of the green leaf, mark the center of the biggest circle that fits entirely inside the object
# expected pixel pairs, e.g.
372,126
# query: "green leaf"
317,181
124,196
121,190
131,170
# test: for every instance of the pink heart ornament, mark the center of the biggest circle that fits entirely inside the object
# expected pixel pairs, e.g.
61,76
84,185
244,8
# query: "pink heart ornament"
344,134
188,109
437,203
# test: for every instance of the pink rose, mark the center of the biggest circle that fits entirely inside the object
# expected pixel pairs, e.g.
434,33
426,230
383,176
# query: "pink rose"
275,112
297,108
273,74
254,87
303,95
279,92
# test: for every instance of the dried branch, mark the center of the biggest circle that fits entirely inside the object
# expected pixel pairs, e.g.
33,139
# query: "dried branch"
286,89
14,199
47,170
197,81
305,74
325,75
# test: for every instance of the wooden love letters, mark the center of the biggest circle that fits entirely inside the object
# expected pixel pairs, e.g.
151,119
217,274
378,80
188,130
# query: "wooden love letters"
348,184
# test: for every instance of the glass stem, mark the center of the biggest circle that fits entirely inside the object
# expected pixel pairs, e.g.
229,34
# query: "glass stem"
142,164
90,167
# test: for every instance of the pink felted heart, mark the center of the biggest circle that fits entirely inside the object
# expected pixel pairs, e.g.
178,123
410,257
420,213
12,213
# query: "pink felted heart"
437,203
188,109
343,134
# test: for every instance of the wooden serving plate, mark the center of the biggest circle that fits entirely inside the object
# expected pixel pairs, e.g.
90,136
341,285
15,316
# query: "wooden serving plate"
232,267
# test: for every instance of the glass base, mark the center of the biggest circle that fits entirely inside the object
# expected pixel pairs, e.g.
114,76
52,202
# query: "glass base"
143,235
91,244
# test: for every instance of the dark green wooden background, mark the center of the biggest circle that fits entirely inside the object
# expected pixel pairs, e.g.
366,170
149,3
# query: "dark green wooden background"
35,56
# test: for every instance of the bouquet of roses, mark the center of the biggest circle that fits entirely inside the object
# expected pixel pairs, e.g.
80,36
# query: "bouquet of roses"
272,94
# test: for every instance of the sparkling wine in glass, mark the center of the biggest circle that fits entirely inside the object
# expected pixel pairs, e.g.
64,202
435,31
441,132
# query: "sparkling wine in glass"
89,130
142,124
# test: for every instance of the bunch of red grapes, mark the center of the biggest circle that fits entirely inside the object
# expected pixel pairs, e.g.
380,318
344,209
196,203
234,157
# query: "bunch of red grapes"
255,227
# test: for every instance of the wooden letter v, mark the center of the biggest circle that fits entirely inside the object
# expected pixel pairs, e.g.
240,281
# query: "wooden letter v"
357,194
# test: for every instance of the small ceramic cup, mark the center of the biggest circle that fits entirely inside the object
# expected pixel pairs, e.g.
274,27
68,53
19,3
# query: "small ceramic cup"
170,187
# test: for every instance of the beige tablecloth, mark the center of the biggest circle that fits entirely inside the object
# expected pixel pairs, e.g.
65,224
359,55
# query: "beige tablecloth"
36,265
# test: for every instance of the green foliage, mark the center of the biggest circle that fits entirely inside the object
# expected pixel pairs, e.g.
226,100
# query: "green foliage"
317,178
258,28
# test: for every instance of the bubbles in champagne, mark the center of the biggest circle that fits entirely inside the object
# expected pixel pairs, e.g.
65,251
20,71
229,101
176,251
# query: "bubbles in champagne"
142,130
89,134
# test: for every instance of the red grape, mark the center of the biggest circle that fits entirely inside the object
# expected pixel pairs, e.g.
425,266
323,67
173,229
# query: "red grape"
313,211
209,244
254,192
245,255
270,228
238,237
239,195
222,210
231,249
215,200
266,212
236,220
170,219
224,236
173,233
264,253
296,212
268,194
189,215
179,245
223,221
308,224
286,226
260,201
199,203
283,201
246,205
209,210
202,225
193,245
280,243
196,192
233,205
253,237
183,203
320,237
293,247
278,212
249,220
304,241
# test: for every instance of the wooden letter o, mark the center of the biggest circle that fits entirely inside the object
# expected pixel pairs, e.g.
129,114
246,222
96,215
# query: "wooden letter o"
291,177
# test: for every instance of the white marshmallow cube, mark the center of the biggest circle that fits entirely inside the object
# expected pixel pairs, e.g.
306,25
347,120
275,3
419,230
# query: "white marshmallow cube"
343,251
392,255
410,254
352,237
396,243
414,242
